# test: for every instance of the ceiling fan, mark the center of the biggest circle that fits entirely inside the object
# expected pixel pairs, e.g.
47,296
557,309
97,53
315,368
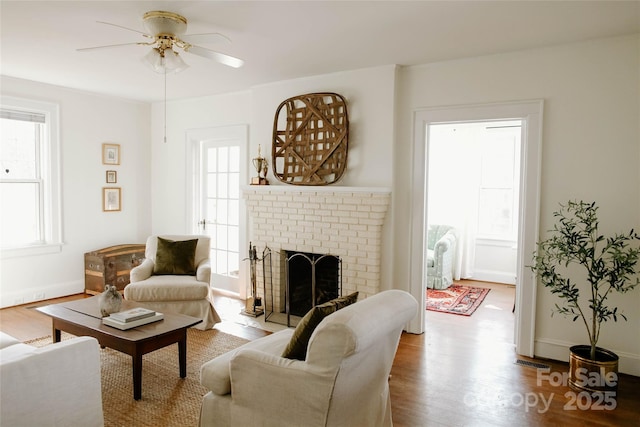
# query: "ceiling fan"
167,32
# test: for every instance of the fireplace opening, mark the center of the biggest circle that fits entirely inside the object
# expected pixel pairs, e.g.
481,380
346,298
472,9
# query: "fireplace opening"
311,279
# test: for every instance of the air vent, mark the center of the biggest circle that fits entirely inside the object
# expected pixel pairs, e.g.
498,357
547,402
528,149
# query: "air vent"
532,364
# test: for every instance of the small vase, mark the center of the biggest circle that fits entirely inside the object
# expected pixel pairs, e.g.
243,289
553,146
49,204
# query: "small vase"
110,301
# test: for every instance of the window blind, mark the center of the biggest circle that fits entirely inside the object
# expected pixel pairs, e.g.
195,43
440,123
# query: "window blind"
25,116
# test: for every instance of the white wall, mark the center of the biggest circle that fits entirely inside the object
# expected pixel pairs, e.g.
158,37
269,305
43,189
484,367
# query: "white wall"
169,176
86,121
495,261
591,151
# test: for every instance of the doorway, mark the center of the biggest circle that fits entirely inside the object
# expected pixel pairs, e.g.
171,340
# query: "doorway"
530,112
474,182
217,171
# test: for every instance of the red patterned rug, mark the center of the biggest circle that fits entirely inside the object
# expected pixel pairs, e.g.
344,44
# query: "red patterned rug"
456,299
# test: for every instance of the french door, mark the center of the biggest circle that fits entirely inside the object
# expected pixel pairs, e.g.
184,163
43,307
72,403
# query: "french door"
218,211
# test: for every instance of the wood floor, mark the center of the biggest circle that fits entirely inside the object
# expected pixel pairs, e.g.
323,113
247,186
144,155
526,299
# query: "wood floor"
461,372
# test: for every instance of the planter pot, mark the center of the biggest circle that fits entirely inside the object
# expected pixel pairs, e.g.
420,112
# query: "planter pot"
593,376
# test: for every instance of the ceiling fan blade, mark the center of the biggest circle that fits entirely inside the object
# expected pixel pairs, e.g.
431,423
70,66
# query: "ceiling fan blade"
125,28
85,49
209,38
216,56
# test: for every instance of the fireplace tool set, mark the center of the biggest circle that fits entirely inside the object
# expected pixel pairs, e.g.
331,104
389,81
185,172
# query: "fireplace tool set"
253,304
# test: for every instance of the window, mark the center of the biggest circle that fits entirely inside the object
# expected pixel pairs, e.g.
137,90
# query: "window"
499,181
474,177
29,177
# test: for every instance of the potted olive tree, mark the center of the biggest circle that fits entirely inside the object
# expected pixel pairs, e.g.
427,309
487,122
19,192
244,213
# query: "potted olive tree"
605,265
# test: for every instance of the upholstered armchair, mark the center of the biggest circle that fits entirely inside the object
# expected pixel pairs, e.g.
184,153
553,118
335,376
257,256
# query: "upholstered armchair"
175,277
55,385
441,255
343,380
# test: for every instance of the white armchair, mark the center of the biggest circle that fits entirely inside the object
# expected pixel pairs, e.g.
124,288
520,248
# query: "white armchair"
342,382
55,385
441,256
175,277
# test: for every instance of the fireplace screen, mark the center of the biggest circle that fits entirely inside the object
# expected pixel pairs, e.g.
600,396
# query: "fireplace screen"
311,279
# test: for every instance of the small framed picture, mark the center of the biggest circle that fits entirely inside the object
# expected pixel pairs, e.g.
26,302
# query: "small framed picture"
112,177
110,154
111,197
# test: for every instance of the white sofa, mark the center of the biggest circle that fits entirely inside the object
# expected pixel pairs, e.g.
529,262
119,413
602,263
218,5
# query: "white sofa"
55,385
342,382
185,294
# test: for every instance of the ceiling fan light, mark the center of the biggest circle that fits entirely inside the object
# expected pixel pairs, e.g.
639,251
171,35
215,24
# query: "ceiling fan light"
166,62
173,62
154,60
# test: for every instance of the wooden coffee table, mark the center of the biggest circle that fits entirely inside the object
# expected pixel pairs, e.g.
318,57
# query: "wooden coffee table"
82,318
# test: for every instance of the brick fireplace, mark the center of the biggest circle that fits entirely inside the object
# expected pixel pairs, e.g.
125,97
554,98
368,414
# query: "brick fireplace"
342,221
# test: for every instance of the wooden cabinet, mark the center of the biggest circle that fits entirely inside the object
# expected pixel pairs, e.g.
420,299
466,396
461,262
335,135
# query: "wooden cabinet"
110,266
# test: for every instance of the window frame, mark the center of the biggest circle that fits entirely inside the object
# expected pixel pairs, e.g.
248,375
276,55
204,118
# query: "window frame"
50,215
510,237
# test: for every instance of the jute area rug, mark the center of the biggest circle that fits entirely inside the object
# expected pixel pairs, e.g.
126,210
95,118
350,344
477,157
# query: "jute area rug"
167,399
456,299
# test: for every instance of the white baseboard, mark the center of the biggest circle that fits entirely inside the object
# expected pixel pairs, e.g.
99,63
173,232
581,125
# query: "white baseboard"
40,293
494,276
628,363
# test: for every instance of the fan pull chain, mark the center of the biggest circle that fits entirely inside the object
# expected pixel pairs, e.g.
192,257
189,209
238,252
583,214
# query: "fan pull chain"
165,106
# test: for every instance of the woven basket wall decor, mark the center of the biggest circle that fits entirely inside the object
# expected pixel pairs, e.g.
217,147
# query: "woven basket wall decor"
310,139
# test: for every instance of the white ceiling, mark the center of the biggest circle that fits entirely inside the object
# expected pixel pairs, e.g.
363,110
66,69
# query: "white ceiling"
283,40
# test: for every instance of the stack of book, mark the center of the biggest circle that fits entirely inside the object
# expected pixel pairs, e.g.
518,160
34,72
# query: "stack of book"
131,318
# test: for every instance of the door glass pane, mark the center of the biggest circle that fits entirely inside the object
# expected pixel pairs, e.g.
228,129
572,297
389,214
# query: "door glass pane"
221,262
223,159
223,185
234,185
212,185
233,242
222,211
222,206
214,259
221,241
211,211
234,212
234,266
212,162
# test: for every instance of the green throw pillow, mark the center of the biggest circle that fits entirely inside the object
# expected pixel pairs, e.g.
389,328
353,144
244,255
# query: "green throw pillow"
297,347
342,302
175,257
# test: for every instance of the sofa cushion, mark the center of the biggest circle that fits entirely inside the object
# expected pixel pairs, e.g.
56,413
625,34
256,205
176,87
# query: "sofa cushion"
167,288
175,257
297,347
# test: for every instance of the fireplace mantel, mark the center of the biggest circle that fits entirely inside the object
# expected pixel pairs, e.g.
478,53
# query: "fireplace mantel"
314,189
